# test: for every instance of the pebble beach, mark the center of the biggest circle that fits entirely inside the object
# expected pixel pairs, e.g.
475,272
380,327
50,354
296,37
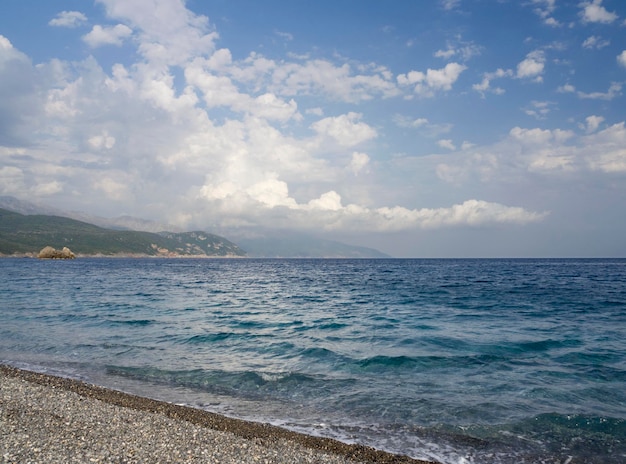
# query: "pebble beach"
52,419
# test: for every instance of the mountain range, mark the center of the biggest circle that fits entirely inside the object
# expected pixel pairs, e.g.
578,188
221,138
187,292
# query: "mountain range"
25,228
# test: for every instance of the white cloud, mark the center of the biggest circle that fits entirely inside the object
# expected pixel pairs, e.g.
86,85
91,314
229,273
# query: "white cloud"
11,180
168,31
47,189
423,124
621,58
359,162
545,8
102,141
329,201
446,143
605,151
566,88
546,152
538,136
20,98
317,111
539,109
68,19
485,85
222,91
445,54
326,78
188,131
108,35
113,188
433,79
347,130
595,42
594,12
468,213
271,193
532,66
592,123
284,35
271,202
464,50
403,121
615,90
450,4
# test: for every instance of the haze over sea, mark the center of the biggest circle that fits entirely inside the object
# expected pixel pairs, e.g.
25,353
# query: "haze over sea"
458,361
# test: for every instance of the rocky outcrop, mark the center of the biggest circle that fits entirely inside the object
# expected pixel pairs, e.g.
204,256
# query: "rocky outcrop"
52,253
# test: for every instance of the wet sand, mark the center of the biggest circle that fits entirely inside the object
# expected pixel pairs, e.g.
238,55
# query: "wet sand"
52,419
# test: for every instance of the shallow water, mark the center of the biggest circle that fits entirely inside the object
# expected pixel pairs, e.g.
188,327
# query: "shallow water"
460,361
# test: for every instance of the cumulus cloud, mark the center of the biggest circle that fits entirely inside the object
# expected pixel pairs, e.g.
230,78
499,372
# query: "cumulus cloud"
463,50
359,162
621,58
450,4
566,88
168,31
68,19
113,188
532,66
595,42
485,84
545,8
468,213
424,126
102,141
222,91
319,76
11,180
592,123
107,35
327,212
20,101
347,130
547,152
188,131
594,12
539,109
47,188
614,91
433,80
447,144
605,150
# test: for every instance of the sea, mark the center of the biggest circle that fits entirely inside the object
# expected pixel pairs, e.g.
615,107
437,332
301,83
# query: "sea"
449,360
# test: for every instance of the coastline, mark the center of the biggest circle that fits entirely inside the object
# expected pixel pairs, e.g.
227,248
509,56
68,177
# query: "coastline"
33,255
45,418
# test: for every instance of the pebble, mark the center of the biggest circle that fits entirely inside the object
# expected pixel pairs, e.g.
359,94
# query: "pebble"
46,419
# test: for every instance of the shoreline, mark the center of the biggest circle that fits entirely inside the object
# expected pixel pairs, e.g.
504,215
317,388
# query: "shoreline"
271,444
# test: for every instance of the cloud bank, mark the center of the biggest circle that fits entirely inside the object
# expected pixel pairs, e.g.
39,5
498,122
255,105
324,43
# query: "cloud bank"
183,129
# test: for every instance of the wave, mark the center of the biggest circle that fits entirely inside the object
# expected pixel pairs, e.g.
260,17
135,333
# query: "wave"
209,338
548,438
377,363
244,384
140,322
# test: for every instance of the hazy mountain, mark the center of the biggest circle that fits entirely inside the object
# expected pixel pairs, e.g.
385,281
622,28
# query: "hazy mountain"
255,243
121,222
283,244
28,234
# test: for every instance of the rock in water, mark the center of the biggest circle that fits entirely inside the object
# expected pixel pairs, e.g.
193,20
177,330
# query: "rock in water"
52,253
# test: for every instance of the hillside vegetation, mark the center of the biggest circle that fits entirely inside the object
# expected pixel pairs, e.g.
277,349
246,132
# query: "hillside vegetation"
28,234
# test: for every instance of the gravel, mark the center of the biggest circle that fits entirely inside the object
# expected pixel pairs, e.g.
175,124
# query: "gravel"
47,419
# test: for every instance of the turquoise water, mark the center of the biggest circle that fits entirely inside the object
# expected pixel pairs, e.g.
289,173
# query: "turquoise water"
460,361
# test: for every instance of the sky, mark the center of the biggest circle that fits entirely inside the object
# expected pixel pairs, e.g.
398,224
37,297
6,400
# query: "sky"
434,128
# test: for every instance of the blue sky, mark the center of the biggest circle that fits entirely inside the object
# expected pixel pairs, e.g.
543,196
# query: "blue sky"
430,128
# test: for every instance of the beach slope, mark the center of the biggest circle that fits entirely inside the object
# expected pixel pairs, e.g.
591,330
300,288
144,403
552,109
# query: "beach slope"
51,419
